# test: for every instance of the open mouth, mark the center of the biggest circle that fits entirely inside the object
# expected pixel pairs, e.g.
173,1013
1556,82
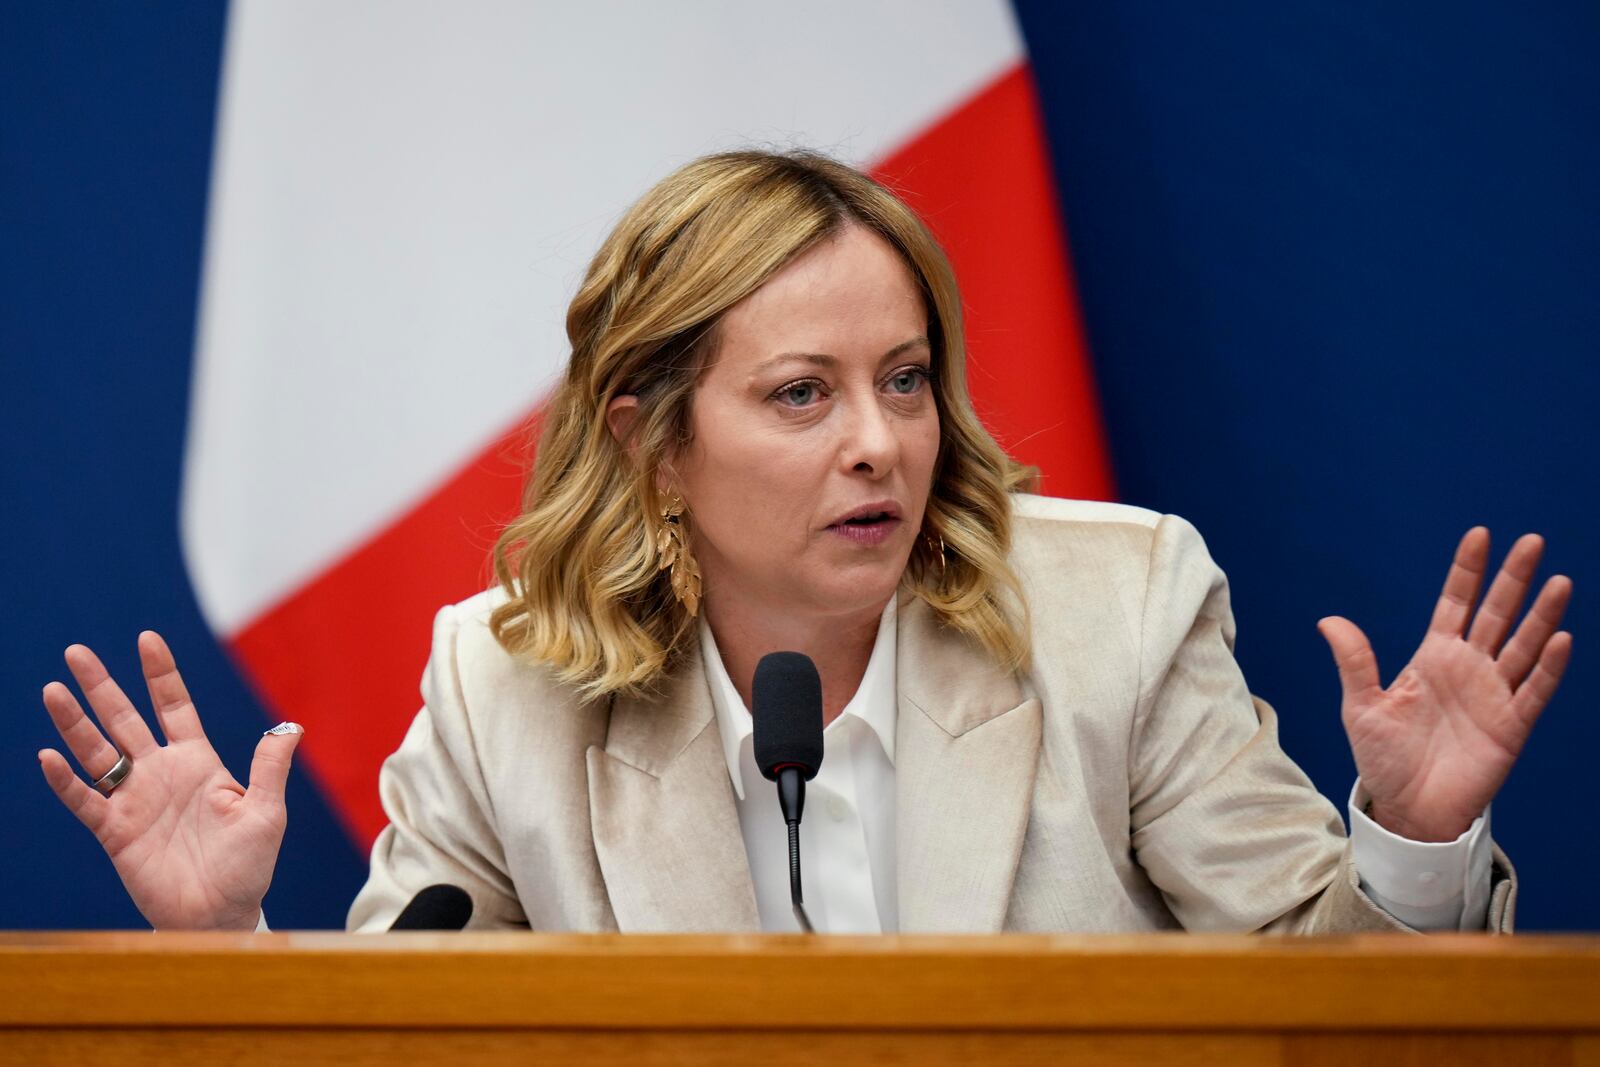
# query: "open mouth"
872,525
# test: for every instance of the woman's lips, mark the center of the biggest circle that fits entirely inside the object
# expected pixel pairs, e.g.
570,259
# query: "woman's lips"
866,533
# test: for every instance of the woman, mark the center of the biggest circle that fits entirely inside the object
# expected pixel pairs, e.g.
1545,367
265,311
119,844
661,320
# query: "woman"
1034,720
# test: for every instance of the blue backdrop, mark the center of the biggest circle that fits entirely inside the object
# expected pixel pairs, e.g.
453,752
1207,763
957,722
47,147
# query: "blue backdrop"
1338,264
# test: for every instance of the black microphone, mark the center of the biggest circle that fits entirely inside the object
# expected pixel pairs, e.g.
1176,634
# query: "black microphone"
786,704
438,907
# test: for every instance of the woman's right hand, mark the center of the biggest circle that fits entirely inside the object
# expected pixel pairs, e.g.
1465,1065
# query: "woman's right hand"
194,848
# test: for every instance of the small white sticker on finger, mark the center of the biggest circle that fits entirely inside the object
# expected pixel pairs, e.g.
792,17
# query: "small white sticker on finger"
285,728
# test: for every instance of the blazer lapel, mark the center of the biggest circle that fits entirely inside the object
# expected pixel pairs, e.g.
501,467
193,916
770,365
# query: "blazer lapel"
966,754
662,810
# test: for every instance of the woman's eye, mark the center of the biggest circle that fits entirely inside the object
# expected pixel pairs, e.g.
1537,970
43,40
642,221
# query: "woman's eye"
908,380
798,394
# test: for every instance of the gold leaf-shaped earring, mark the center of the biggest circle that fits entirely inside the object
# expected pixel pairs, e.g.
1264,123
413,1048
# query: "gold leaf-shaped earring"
666,545
672,552
935,545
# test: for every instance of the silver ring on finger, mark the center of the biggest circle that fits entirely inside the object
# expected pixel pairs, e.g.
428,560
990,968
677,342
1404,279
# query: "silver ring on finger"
113,778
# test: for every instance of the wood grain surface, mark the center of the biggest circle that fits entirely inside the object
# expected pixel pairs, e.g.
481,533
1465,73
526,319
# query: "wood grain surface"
490,998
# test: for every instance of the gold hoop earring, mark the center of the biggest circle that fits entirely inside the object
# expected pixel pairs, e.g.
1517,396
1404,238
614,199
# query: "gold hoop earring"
672,553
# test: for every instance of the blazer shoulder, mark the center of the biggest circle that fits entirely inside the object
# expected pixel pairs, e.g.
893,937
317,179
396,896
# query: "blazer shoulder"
1073,536
1049,510
463,644
1074,555
474,672
476,608
1098,533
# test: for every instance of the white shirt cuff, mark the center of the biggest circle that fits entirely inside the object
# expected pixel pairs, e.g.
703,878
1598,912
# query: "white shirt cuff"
261,924
1425,884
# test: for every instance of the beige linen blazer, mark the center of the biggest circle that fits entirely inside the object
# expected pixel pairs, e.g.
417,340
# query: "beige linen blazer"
1125,781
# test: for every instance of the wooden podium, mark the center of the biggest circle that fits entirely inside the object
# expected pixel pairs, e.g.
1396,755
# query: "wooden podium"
407,999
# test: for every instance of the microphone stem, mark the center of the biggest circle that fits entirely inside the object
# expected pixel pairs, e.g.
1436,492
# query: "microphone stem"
794,863
792,802
795,897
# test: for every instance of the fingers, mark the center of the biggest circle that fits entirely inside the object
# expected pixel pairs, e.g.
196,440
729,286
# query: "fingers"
1353,655
1535,693
90,807
92,751
1461,584
111,706
1533,635
168,695
1504,599
269,771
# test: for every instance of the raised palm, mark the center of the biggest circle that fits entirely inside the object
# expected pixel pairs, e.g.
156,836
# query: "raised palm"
194,848
1434,747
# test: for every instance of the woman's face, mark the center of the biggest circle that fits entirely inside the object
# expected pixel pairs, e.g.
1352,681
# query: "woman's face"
814,435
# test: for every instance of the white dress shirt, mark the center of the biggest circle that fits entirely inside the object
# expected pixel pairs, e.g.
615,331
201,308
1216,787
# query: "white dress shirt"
847,849
847,858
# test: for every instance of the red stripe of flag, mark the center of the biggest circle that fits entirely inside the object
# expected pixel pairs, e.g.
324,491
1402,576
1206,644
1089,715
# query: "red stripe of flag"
342,654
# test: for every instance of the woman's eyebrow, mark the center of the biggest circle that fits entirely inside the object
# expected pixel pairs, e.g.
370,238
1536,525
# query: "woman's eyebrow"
823,359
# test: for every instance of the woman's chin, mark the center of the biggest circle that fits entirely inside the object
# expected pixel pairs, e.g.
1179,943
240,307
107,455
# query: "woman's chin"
858,589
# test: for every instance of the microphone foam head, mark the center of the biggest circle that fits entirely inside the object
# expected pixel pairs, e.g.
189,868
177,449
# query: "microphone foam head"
786,701
438,907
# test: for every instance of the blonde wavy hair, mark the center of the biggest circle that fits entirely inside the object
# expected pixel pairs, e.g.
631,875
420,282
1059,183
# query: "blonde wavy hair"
584,595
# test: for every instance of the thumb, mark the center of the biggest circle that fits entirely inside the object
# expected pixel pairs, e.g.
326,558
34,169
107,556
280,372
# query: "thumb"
1353,655
269,771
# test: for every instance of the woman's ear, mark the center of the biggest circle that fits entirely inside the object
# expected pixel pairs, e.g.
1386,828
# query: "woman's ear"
622,419
622,414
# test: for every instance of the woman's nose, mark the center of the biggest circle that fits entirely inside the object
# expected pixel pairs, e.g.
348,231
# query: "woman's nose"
870,443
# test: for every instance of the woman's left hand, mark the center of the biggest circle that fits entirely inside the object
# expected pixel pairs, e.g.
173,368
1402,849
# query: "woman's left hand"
1433,748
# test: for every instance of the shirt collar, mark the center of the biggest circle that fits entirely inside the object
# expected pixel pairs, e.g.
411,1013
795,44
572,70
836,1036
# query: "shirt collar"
873,703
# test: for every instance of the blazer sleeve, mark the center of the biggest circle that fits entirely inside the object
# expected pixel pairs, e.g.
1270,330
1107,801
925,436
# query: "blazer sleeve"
442,826
1230,830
